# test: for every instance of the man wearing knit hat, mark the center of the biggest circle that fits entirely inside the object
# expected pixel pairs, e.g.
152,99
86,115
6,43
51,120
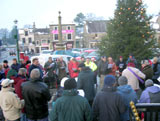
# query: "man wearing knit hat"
71,106
151,94
129,95
108,104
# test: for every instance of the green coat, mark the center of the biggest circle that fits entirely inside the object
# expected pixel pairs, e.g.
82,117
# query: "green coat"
71,107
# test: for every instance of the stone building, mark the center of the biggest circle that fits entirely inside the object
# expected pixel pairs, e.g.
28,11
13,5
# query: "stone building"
26,39
43,40
68,35
93,32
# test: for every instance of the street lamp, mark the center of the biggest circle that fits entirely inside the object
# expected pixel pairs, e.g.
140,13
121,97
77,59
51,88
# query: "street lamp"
16,38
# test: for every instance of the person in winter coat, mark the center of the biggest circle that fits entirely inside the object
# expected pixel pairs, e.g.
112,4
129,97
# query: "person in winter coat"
151,94
147,70
156,70
28,64
90,64
102,70
86,82
15,65
61,64
71,106
131,60
2,73
50,68
73,68
9,102
132,79
36,95
6,67
112,66
18,80
129,95
12,72
121,65
35,64
108,104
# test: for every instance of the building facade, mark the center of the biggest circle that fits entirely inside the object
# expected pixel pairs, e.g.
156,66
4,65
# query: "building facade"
94,31
26,40
38,39
68,35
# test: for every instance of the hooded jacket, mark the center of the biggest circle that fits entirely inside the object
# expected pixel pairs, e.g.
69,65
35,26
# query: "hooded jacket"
10,104
108,105
129,95
36,96
71,107
150,95
86,81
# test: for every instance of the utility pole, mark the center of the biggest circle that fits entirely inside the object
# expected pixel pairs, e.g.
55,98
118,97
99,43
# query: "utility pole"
16,38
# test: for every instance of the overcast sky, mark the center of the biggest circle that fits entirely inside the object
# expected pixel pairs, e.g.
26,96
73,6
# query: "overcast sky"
45,12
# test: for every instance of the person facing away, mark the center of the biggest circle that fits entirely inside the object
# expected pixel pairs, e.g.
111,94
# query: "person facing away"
156,70
86,81
71,106
35,64
128,94
36,96
151,94
108,104
9,102
132,79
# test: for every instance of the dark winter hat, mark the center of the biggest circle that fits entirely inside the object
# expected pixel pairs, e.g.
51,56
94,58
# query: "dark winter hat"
148,83
122,80
70,84
109,80
5,61
81,65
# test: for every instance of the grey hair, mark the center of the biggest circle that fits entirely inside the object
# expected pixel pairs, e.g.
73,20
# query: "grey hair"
22,71
35,73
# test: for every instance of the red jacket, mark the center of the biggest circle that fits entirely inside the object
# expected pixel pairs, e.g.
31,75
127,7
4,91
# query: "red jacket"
18,80
6,71
71,67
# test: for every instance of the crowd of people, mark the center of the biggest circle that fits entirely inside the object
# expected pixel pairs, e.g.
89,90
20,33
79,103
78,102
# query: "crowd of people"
86,90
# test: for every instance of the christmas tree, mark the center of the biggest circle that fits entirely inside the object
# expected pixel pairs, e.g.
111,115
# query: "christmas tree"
129,32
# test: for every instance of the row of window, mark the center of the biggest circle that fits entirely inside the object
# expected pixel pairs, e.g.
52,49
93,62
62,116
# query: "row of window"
56,28
69,36
29,40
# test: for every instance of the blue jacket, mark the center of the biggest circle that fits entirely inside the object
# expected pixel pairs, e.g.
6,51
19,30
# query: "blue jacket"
34,67
145,97
129,95
16,67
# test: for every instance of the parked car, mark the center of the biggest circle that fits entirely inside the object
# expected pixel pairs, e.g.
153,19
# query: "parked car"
94,54
46,52
65,52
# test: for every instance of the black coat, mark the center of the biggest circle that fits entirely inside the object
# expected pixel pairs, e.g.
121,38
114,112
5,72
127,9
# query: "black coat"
86,81
108,105
36,96
148,71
